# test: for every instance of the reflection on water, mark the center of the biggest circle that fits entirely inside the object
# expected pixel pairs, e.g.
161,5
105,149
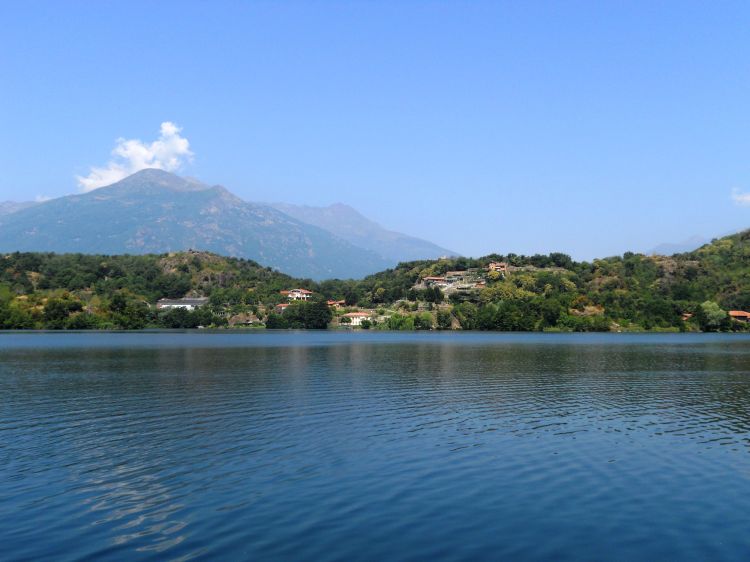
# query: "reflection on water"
371,446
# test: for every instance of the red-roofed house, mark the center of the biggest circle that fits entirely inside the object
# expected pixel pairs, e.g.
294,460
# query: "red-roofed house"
436,281
336,304
740,315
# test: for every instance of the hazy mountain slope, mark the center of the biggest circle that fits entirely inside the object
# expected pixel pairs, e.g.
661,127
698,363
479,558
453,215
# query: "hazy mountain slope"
352,226
8,207
669,248
154,211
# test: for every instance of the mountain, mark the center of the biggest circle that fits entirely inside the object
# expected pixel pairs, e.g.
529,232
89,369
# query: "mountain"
154,211
669,248
347,223
8,207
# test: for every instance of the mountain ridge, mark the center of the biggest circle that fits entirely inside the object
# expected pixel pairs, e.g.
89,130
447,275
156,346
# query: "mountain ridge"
10,207
347,245
153,211
349,224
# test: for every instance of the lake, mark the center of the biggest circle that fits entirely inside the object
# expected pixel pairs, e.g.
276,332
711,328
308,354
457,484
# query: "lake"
374,446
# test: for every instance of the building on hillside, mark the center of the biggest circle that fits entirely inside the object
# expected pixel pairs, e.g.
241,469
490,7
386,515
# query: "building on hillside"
187,303
740,315
297,294
336,304
280,308
358,317
499,266
433,281
455,276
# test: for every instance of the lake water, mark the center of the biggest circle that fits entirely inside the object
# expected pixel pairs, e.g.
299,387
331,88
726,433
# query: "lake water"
374,446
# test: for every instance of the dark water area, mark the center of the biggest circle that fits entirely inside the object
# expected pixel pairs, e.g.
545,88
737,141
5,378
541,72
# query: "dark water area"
374,446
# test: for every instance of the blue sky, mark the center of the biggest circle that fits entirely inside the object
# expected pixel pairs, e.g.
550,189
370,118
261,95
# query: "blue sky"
585,127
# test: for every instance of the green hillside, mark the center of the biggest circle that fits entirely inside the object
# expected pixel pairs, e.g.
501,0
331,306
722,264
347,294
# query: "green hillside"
691,291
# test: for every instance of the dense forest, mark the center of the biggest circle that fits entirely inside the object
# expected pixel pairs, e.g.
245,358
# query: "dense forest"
691,291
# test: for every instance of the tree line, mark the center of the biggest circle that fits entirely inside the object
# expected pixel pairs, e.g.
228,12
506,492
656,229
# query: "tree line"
691,291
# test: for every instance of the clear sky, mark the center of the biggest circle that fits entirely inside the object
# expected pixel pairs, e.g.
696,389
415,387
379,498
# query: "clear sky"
584,127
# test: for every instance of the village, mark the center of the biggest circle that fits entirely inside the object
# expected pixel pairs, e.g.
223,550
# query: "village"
459,282
453,284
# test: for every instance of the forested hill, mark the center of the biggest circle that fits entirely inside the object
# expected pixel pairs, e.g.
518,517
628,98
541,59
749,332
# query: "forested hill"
688,291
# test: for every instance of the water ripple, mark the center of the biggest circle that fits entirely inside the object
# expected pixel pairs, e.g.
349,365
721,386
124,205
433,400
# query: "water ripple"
371,446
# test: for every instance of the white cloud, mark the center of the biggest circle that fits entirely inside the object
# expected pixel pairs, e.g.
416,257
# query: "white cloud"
42,198
168,153
740,198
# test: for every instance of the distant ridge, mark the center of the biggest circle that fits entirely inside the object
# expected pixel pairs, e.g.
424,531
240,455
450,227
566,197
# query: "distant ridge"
349,224
668,249
9,207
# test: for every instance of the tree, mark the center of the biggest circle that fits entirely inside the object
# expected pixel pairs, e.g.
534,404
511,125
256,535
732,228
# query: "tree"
304,315
711,317
423,321
56,312
276,322
444,320
83,321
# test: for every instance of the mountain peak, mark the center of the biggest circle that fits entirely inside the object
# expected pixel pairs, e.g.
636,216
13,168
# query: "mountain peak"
342,207
154,177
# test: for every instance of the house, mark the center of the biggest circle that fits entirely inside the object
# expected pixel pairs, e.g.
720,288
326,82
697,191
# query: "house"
336,304
297,294
455,276
686,316
280,308
187,303
740,315
435,281
499,266
358,317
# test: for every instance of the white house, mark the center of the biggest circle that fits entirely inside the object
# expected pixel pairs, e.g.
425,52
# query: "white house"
297,294
358,317
188,303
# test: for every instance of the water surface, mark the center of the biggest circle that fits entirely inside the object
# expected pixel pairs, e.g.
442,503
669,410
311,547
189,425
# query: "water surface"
371,446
